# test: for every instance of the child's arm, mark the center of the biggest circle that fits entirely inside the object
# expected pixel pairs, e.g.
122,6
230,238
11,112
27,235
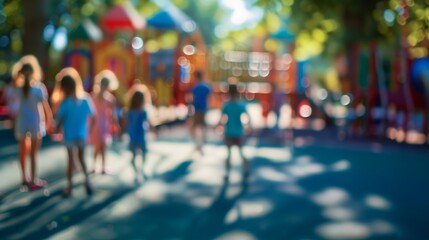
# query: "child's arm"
58,125
48,115
248,123
114,120
91,112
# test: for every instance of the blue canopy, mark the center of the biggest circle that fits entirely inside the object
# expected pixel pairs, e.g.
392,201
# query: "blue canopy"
172,18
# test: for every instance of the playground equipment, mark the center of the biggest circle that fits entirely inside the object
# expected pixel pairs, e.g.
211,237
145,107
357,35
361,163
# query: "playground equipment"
389,87
134,50
177,51
92,49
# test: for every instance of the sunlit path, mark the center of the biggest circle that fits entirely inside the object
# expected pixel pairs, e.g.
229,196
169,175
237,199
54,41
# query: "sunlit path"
315,190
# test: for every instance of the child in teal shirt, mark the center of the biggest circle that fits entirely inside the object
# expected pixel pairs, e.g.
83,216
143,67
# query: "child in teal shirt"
232,112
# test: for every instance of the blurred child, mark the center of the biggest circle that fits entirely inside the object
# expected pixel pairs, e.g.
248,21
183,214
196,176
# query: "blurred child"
75,108
11,96
33,116
136,123
277,100
200,98
106,118
232,119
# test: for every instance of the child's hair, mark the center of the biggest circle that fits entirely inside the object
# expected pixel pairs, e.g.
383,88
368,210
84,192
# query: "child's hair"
26,68
199,75
63,84
68,86
138,96
137,100
233,91
105,75
28,63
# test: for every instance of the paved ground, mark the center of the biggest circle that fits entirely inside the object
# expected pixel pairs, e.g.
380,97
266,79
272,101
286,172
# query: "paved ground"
319,189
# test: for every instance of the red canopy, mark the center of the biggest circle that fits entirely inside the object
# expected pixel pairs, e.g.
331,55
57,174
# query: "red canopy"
122,17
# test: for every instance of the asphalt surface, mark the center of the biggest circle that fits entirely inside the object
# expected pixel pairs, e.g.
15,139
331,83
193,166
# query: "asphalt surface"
311,187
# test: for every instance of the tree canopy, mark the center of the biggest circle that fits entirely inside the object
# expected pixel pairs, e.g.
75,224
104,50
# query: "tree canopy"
319,26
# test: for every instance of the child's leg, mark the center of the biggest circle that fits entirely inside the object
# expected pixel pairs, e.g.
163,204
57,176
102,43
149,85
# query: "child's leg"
244,160
70,168
94,166
228,158
34,148
204,134
144,154
23,149
102,153
133,158
138,176
81,154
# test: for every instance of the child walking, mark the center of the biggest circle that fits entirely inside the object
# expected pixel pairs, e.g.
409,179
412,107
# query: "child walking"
33,117
106,120
232,113
75,108
136,123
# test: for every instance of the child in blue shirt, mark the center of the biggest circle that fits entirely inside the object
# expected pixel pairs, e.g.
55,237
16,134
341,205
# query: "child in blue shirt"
232,112
74,111
200,98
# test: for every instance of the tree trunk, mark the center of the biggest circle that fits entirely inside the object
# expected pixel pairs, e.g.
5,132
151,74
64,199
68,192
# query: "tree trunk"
36,15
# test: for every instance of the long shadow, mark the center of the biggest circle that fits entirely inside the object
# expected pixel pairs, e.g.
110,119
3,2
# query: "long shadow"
8,141
177,173
21,217
77,215
209,223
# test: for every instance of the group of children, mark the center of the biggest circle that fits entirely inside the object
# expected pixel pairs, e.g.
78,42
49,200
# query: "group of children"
79,116
82,117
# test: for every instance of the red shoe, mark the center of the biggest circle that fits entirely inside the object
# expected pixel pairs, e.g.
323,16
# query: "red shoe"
34,187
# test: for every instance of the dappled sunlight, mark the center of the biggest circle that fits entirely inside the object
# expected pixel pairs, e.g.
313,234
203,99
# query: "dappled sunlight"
344,230
341,165
216,156
201,201
232,216
127,175
279,155
338,213
273,175
206,175
330,197
377,202
153,191
237,234
175,156
254,208
305,169
292,189
126,207
382,227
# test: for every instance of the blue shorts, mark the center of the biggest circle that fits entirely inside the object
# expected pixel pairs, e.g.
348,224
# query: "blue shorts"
79,143
138,145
